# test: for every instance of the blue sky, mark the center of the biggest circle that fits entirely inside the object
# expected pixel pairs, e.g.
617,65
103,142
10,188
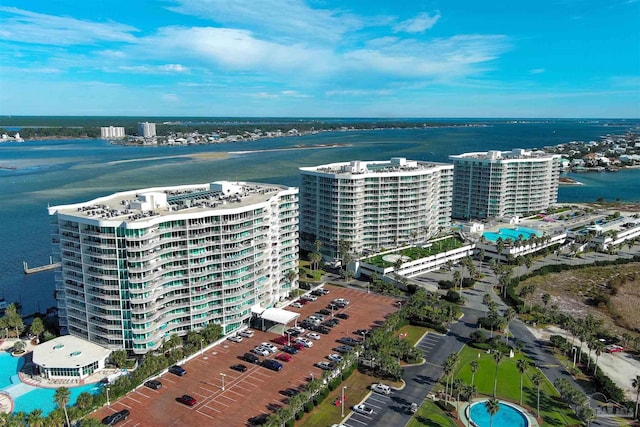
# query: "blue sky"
321,58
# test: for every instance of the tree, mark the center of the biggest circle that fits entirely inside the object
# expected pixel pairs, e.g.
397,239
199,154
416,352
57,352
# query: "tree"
511,313
545,299
61,398
119,358
497,357
12,319
536,379
84,400
35,419
522,366
493,406
37,327
474,365
599,346
291,276
635,383
457,278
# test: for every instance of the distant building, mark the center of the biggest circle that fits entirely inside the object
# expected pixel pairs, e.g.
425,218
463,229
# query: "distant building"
142,265
504,183
112,132
372,205
147,130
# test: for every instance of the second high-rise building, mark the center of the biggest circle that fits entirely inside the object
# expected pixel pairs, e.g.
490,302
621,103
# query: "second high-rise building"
371,205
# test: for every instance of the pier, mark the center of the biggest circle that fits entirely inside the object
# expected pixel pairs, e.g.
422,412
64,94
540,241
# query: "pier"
41,268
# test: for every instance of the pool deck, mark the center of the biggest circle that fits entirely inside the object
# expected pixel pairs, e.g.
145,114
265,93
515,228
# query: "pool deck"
464,406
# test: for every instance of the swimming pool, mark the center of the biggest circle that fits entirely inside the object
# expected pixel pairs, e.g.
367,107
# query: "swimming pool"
26,397
507,416
511,233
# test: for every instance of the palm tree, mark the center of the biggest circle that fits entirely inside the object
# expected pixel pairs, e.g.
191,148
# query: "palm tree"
635,383
37,327
35,419
536,379
522,366
457,278
493,406
474,365
511,313
61,397
598,348
497,357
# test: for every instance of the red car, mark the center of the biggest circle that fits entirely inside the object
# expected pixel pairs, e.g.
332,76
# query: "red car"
281,340
283,357
297,346
187,400
613,348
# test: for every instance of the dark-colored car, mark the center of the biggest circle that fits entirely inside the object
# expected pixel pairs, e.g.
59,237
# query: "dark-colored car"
332,322
281,340
154,384
178,370
297,346
114,419
272,364
343,349
322,329
187,400
342,315
258,420
251,358
324,311
289,349
333,306
349,341
290,392
363,332
239,367
317,292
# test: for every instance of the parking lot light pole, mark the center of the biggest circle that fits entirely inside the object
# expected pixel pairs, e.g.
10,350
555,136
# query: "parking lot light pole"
342,399
573,350
201,342
288,339
107,388
222,375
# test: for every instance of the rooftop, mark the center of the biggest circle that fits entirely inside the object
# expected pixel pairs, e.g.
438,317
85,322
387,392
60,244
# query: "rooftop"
515,154
396,164
146,203
68,351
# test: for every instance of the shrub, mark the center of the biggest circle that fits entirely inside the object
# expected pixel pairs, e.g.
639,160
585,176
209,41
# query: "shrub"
478,337
446,284
308,407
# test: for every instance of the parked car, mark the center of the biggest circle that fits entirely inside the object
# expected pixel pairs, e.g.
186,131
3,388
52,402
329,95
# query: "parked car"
333,306
313,336
285,357
187,400
299,329
326,366
261,351
343,349
178,370
342,315
363,332
281,340
349,341
247,333
239,367
235,338
298,346
319,316
317,293
272,348
324,311
613,348
335,357
272,364
324,291
363,409
322,329
289,349
381,388
302,301
296,305
251,358
153,384
309,297
290,392
341,302
258,420
305,342
114,419
292,332
331,322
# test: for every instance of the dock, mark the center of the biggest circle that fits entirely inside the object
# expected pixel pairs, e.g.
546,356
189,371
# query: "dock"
41,268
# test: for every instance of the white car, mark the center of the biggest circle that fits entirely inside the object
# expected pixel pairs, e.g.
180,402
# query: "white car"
235,338
381,388
305,342
296,305
247,333
299,329
313,336
363,409
272,348
261,351
335,357
309,297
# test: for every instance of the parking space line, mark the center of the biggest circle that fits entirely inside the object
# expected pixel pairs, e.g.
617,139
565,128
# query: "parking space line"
358,421
129,397
207,415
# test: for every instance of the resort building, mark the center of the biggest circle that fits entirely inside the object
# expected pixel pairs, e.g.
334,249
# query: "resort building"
373,205
147,130
141,265
68,358
112,132
504,183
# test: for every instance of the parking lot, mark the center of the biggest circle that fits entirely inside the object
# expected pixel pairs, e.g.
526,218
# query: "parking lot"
255,391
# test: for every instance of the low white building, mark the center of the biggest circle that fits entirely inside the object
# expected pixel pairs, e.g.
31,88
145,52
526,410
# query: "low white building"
69,357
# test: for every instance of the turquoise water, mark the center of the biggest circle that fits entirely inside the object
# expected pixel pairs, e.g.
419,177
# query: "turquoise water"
507,416
511,233
33,397
69,171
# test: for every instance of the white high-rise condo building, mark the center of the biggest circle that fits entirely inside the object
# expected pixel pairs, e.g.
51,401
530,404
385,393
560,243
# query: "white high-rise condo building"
146,129
504,183
373,204
141,265
112,132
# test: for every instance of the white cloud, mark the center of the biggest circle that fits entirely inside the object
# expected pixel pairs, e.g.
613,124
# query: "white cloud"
536,71
420,23
155,69
278,18
30,27
294,94
170,97
265,95
356,92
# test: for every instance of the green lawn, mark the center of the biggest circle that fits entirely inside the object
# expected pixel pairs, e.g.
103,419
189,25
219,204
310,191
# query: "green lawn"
553,410
415,252
413,333
430,415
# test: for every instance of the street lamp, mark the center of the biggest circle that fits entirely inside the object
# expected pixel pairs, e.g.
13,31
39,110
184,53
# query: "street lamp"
107,388
342,399
289,339
201,342
573,350
222,376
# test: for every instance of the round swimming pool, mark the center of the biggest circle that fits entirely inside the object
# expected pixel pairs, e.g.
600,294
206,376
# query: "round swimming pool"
507,416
